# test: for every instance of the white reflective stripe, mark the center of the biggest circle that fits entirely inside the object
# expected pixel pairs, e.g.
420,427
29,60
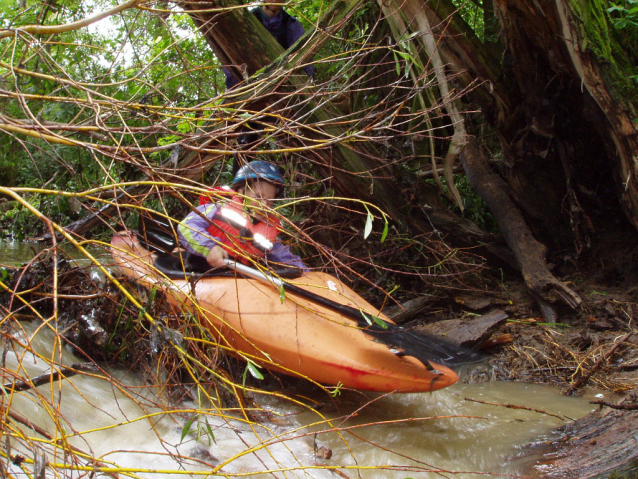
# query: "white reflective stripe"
262,241
233,216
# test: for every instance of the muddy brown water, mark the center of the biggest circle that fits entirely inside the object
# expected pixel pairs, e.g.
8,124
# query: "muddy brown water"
370,436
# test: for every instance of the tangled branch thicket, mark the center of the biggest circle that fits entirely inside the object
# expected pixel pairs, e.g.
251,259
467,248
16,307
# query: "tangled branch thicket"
146,127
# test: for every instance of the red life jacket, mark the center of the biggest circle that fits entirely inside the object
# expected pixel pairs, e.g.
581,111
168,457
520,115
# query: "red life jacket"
216,193
240,234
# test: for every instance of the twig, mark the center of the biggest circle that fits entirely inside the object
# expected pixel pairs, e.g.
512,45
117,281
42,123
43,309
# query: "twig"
583,379
514,406
44,433
45,378
71,296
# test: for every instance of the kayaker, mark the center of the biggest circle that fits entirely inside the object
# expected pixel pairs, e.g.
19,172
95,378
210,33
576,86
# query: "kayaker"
284,27
240,225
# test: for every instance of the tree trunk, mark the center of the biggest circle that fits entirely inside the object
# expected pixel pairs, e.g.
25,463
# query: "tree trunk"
355,171
355,168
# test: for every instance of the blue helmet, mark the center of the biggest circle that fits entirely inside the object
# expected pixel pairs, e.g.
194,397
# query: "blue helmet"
258,169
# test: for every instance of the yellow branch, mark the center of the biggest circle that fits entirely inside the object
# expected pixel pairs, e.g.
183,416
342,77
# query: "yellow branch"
42,136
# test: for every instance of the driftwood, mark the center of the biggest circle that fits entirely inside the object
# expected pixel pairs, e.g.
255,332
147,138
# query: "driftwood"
402,312
594,446
469,332
516,406
46,378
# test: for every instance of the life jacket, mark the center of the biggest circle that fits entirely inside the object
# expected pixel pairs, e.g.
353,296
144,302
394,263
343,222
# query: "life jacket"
216,194
240,234
280,33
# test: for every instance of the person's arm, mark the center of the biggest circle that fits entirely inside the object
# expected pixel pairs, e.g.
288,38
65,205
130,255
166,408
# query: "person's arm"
193,230
282,255
195,238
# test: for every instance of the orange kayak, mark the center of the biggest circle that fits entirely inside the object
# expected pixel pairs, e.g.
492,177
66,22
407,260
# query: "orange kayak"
287,333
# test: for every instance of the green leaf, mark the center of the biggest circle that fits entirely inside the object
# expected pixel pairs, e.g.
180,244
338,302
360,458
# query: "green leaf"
378,321
396,63
210,432
385,231
254,371
187,429
282,293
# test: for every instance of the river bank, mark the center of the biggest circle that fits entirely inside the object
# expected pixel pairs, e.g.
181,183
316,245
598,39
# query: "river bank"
589,354
592,349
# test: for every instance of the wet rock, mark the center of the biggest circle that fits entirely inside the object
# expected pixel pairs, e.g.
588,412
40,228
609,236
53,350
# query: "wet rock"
203,454
92,329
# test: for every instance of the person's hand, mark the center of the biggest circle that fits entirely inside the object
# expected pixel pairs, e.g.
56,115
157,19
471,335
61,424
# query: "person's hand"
216,257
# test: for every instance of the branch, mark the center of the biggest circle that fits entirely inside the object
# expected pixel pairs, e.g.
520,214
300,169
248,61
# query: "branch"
583,379
514,406
52,29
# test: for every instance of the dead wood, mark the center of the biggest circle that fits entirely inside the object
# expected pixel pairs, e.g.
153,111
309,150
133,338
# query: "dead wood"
582,380
530,254
404,311
469,332
515,406
620,407
46,378
592,446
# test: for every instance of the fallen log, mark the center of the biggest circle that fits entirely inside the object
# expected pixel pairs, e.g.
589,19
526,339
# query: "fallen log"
531,255
601,444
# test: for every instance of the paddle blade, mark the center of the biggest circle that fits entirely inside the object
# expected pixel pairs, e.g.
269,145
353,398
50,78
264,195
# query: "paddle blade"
156,233
423,347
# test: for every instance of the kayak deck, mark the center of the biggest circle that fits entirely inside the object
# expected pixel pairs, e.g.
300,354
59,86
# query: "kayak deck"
285,332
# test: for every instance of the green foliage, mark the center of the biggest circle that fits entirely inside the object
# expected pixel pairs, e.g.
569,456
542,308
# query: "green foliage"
624,18
254,371
473,14
136,57
475,208
195,426
626,15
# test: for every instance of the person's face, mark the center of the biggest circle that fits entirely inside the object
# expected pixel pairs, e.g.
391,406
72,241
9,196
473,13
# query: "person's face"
260,190
273,6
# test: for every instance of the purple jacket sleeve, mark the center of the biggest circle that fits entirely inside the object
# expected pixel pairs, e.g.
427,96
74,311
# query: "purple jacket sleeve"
282,256
193,230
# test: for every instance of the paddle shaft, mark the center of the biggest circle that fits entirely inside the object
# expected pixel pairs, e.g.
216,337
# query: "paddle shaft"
343,309
155,234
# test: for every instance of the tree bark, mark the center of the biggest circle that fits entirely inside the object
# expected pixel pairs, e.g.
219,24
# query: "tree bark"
601,444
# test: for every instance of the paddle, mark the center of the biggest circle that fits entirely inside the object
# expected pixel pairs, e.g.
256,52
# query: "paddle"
157,234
